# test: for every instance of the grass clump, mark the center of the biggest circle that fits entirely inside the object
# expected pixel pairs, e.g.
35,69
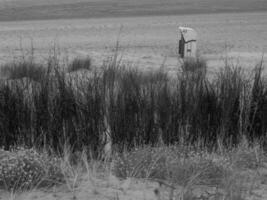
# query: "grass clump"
141,163
24,69
80,63
22,169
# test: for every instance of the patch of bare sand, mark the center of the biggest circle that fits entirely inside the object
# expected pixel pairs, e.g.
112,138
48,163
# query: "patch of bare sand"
96,189
134,189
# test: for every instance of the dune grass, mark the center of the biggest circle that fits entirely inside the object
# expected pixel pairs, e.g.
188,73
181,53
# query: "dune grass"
180,132
141,108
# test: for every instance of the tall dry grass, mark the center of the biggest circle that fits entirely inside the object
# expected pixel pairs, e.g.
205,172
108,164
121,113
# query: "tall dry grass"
47,106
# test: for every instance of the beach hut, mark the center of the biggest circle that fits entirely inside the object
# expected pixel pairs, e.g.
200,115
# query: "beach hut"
188,42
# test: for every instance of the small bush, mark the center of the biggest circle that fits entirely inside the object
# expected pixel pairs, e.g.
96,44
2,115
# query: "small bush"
80,63
168,163
24,69
26,168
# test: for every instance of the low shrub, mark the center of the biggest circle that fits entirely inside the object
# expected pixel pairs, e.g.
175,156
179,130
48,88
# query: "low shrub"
170,164
26,168
80,63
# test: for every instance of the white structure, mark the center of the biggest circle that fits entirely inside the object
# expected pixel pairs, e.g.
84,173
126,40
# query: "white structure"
188,42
